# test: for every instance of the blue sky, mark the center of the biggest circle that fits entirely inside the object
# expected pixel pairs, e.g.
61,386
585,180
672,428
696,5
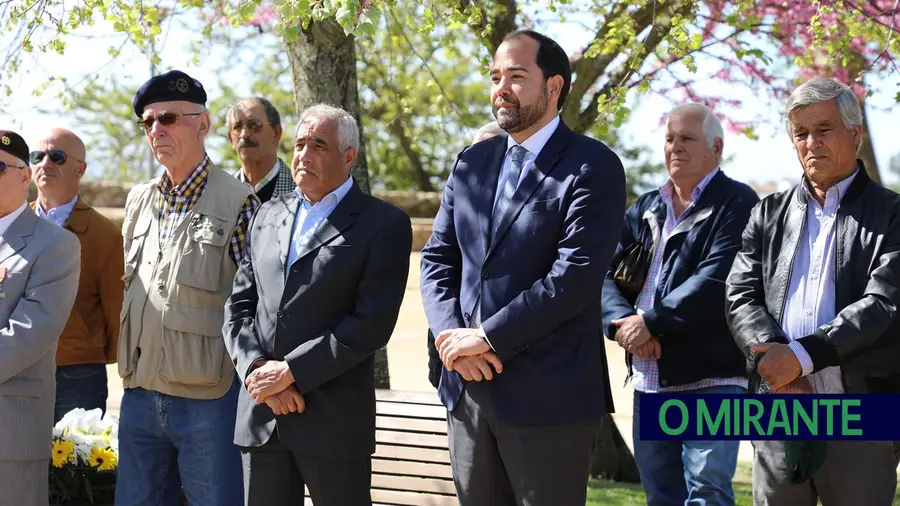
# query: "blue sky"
770,158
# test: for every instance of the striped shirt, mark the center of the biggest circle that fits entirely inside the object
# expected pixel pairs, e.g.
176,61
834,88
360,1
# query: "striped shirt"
646,370
176,201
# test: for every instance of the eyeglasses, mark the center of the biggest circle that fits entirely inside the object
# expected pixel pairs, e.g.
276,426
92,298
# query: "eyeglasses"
4,166
56,156
165,119
252,124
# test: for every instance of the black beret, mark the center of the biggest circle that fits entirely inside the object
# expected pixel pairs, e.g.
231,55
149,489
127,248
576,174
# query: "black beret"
173,85
14,144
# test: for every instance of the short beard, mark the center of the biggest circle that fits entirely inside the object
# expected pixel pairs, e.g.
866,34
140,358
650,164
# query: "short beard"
523,117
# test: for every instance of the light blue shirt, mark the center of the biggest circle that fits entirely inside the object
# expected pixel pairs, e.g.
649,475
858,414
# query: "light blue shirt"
810,297
533,145
310,216
58,215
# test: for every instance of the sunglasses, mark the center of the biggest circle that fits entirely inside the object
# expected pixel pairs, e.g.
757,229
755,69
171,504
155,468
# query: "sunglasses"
4,166
56,156
165,119
252,124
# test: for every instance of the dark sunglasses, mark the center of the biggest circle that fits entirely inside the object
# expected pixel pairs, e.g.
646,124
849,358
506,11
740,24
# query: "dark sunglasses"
56,156
252,124
165,119
4,166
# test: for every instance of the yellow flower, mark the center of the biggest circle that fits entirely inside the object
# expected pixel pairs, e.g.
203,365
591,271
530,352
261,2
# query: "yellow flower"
103,459
63,452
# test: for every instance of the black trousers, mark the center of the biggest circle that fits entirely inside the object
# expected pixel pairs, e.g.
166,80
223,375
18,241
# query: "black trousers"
276,476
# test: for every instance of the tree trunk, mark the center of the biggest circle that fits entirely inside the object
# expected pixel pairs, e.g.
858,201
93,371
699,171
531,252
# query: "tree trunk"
866,151
323,69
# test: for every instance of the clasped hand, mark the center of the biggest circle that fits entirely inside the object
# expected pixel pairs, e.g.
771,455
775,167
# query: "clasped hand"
780,367
464,351
273,383
633,336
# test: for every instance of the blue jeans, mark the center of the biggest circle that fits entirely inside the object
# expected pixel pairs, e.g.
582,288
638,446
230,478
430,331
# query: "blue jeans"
80,386
686,473
166,442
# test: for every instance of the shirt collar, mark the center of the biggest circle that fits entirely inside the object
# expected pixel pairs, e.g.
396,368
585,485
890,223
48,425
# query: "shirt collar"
837,191
332,198
7,221
538,140
669,187
199,174
265,180
65,208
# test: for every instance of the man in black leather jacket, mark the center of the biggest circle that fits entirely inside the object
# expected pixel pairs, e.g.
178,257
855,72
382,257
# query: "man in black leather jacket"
813,301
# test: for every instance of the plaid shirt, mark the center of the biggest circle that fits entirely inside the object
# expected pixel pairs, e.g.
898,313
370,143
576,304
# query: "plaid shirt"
646,370
176,201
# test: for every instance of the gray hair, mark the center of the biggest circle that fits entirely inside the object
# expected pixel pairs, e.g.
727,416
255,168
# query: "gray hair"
819,90
712,127
348,130
487,131
272,116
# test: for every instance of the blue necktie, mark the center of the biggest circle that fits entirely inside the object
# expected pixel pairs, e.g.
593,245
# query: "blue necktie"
508,185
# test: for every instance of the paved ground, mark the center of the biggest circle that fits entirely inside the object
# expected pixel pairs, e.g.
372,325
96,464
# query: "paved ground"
408,361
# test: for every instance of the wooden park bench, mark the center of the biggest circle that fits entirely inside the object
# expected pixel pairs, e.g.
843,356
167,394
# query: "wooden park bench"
411,465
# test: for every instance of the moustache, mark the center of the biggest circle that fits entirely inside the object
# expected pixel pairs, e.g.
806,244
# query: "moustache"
507,100
247,143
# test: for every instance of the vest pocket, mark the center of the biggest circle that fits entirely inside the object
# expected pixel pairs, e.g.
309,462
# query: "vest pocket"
201,262
193,350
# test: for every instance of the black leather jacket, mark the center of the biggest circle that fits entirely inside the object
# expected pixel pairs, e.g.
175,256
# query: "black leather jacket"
864,337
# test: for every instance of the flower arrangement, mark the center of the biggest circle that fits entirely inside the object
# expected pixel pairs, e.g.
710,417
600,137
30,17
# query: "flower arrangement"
84,458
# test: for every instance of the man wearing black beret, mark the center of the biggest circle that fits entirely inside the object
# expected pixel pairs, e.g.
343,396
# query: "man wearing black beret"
184,238
41,260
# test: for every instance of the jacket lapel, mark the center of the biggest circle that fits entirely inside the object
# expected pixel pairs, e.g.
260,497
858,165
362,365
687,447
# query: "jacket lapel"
340,219
485,199
14,237
543,165
285,223
79,217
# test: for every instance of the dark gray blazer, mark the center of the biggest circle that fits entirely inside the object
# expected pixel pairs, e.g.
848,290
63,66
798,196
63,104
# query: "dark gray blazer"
339,305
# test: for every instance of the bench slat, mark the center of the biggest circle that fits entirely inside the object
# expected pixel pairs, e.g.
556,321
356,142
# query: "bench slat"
410,484
438,441
412,454
411,424
423,469
411,410
395,497
408,397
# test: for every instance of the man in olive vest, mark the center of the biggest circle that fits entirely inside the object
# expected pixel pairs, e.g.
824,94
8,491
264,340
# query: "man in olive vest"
183,238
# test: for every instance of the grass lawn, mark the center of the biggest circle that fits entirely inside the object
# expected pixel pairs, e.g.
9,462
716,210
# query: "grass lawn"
610,493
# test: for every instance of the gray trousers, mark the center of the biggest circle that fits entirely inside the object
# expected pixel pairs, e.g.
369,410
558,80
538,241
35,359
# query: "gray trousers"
275,476
854,473
500,464
24,482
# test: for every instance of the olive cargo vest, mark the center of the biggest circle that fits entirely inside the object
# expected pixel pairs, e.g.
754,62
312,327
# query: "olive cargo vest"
171,323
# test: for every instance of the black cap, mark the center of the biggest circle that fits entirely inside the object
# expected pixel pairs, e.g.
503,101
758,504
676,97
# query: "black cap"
14,144
173,85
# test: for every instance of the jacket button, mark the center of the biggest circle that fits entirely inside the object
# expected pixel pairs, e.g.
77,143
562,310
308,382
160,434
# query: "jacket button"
161,287
280,314
663,382
466,316
484,274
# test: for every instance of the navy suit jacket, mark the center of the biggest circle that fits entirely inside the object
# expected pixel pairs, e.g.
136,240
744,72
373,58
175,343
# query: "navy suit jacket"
539,278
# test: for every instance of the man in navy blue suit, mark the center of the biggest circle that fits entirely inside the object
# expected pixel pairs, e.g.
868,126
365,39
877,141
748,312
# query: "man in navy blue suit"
511,282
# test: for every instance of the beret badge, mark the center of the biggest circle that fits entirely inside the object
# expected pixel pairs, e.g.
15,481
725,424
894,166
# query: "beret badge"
5,140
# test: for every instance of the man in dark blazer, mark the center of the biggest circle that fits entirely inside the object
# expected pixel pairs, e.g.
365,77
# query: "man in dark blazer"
317,293
511,282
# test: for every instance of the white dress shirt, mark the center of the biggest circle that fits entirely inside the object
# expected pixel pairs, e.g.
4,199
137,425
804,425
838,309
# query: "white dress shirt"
8,220
810,298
